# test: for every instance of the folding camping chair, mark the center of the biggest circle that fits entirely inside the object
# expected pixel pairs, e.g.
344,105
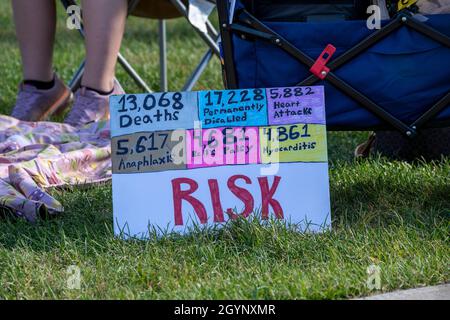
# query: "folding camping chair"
160,10
396,77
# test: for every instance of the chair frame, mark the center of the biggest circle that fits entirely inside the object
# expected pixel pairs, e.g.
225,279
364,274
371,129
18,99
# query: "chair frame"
211,39
246,25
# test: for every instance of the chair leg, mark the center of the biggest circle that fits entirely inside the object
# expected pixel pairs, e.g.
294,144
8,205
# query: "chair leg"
211,29
211,41
75,82
133,73
162,56
193,79
206,37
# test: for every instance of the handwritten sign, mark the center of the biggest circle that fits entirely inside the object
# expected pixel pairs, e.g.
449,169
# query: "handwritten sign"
185,159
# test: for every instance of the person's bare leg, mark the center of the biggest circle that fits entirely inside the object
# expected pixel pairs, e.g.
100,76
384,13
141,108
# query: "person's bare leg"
104,23
35,28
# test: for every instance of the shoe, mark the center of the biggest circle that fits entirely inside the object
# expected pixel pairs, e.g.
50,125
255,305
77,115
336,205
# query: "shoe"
90,106
33,104
365,149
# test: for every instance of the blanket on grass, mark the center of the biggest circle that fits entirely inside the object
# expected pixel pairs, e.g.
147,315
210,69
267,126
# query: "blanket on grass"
35,156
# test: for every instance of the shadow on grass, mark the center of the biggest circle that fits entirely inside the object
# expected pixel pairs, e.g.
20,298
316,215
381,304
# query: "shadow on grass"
378,193
359,204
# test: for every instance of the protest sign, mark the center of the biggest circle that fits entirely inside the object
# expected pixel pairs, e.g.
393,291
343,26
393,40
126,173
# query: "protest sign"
185,159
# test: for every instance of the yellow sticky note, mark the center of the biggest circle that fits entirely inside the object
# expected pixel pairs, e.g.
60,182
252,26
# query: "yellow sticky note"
293,143
402,4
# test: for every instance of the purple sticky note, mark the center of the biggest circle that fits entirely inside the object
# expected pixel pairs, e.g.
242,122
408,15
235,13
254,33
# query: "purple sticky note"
296,105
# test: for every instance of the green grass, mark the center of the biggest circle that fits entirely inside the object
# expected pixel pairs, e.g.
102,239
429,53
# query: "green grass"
391,214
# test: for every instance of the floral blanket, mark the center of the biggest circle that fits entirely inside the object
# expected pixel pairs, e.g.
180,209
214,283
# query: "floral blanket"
35,156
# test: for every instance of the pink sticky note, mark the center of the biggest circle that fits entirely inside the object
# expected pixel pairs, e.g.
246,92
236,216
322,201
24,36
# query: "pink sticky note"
222,146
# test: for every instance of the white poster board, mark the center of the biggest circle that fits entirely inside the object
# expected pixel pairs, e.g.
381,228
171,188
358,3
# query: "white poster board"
191,159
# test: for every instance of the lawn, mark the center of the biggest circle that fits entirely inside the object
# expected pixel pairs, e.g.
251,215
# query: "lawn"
390,214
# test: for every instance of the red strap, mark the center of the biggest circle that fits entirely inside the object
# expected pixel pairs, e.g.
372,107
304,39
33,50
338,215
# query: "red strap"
319,68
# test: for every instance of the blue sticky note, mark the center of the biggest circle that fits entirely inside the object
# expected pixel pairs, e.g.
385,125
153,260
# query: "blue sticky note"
233,108
153,112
